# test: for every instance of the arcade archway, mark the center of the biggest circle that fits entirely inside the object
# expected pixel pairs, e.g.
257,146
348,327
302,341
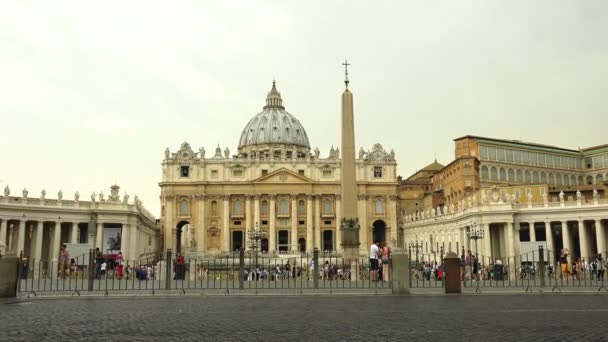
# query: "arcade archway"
379,231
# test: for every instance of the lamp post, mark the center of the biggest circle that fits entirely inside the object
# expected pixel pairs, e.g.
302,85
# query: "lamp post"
475,234
255,237
416,245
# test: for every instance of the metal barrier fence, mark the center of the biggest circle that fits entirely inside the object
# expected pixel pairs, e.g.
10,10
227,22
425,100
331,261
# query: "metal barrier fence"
529,270
238,271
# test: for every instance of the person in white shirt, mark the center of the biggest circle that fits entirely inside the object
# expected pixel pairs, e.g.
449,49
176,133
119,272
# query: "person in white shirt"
373,260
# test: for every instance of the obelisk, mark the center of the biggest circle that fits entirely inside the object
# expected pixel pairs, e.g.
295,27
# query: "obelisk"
350,221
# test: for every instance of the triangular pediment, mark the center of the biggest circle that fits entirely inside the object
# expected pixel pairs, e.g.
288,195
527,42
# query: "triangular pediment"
283,176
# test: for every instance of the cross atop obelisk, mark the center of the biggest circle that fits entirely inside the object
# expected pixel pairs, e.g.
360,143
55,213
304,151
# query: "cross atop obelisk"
346,64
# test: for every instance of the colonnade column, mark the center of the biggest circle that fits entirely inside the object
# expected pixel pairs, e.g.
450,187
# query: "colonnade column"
37,254
309,226
294,223
511,251
226,224
318,221
549,239
133,240
248,219
338,223
169,224
99,236
55,247
74,233
125,244
272,234
21,237
566,237
3,233
600,236
582,236
487,247
532,231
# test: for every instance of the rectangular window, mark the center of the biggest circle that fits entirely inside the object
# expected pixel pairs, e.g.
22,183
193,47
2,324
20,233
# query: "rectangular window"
509,156
301,172
326,173
491,153
237,222
264,172
327,222
517,194
301,222
517,156
500,154
377,171
483,152
184,171
264,222
237,173
214,173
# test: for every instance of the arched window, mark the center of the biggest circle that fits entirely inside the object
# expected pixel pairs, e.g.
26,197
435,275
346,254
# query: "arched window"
503,175
328,206
559,180
599,179
238,207
566,180
551,179
511,175
589,180
580,180
493,174
528,177
379,208
213,208
535,178
301,207
184,207
543,178
283,207
264,208
520,176
484,173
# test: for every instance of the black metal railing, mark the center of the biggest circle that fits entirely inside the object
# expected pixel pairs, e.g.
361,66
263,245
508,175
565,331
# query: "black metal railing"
235,271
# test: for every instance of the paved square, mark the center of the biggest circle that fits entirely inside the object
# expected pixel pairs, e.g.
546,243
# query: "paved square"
305,318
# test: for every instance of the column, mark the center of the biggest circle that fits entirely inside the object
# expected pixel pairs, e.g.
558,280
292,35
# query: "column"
600,236
56,242
125,244
549,238
392,220
309,226
566,238
37,253
3,241
317,221
338,221
74,233
582,236
532,231
226,224
248,219
133,240
169,223
272,234
21,237
99,237
510,240
487,240
294,223
201,231
363,230
512,259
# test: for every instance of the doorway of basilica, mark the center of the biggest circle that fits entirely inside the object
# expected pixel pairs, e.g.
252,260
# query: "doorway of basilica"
182,231
379,231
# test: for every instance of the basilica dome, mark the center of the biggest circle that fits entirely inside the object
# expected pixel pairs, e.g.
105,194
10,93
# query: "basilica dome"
273,128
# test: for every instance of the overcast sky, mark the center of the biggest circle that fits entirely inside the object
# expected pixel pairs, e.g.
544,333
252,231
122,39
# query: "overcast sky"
91,93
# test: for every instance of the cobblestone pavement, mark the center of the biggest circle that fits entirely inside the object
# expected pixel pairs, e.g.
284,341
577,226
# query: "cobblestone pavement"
305,318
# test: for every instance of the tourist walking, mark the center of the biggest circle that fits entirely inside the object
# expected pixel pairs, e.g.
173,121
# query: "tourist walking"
64,260
373,260
563,259
119,266
601,267
385,251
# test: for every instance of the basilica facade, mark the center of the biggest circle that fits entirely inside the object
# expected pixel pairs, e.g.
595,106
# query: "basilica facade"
275,184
